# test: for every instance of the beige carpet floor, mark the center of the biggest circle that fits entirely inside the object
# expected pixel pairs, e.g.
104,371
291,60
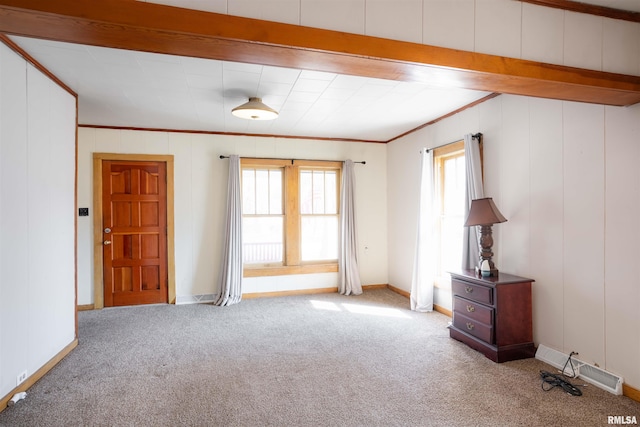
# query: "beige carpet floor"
319,360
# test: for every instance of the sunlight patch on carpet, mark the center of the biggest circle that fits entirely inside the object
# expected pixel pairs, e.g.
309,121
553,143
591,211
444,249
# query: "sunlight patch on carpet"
375,311
324,305
359,309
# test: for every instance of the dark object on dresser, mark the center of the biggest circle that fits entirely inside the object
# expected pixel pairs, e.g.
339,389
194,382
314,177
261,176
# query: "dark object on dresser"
493,315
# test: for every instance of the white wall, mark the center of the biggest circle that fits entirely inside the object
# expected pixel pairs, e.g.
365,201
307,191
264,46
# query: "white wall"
566,177
37,181
200,194
497,27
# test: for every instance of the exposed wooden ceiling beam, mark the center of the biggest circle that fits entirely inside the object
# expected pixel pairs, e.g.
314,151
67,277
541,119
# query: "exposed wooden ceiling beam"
133,25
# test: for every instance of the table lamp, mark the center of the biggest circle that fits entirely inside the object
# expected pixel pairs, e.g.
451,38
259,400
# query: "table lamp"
483,212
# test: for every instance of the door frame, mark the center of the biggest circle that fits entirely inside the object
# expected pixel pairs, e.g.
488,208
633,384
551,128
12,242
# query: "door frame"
98,273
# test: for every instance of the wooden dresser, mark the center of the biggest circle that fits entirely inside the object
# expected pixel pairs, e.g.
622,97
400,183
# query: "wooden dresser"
493,314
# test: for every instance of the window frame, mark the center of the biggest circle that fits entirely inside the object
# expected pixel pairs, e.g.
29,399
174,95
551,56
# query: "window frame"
322,168
292,263
440,155
280,215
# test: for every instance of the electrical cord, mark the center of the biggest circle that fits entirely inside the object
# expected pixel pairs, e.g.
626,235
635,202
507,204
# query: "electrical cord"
553,381
570,363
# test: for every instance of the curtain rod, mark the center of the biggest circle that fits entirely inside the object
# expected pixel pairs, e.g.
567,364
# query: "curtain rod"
292,160
474,136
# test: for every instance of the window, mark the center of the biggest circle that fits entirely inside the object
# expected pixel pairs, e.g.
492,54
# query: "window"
319,214
449,170
263,215
290,216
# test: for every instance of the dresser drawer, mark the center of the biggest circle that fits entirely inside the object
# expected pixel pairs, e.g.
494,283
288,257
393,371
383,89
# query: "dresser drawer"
473,310
473,292
473,327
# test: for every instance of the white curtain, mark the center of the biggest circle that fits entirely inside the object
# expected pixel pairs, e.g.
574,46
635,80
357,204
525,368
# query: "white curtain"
424,265
349,276
230,280
474,190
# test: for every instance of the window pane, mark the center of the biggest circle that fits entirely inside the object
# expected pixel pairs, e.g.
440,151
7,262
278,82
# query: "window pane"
452,216
262,239
275,192
331,192
262,191
248,191
306,198
318,192
454,177
319,238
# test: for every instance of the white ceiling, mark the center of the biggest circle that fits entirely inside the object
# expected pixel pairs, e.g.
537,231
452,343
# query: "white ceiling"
144,90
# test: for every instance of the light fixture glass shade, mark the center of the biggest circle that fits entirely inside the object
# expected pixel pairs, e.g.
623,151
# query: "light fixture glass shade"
255,110
483,212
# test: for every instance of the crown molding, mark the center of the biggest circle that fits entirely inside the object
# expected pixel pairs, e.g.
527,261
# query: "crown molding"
590,9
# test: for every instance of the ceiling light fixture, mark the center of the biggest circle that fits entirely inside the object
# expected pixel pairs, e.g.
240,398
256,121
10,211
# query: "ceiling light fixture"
255,110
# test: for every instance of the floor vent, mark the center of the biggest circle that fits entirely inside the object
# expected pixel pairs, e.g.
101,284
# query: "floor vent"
601,378
589,373
194,299
557,359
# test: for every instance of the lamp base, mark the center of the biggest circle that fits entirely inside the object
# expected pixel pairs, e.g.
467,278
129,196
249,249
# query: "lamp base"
485,254
487,273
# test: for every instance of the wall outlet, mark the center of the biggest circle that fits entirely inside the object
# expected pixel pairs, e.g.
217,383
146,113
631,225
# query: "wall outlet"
20,379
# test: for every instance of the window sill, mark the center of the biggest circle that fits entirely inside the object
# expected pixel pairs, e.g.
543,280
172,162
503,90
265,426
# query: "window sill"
289,269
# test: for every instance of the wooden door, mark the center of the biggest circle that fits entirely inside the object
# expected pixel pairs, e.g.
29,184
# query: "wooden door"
134,212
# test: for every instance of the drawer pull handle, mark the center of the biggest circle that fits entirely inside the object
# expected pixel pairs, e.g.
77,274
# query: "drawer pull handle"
468,289
470,326
471,308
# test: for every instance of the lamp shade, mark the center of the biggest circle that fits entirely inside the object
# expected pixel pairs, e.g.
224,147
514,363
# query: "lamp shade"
255,110
483,212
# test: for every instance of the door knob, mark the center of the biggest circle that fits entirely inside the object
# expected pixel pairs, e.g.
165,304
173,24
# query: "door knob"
106,242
